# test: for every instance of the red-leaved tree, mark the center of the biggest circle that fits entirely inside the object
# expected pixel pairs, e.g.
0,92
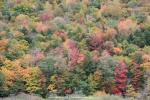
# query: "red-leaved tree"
75,57
120,76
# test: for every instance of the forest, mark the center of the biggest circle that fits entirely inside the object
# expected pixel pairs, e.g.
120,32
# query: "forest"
75,48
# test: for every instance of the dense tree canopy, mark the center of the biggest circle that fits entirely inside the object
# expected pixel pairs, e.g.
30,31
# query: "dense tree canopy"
81,47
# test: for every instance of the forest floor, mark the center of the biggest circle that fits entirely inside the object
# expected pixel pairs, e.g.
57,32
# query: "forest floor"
22,96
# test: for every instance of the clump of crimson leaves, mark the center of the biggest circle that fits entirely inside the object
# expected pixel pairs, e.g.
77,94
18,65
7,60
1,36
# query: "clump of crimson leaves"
120,75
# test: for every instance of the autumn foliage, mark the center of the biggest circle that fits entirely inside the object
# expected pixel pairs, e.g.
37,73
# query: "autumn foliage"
120,75
75,47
